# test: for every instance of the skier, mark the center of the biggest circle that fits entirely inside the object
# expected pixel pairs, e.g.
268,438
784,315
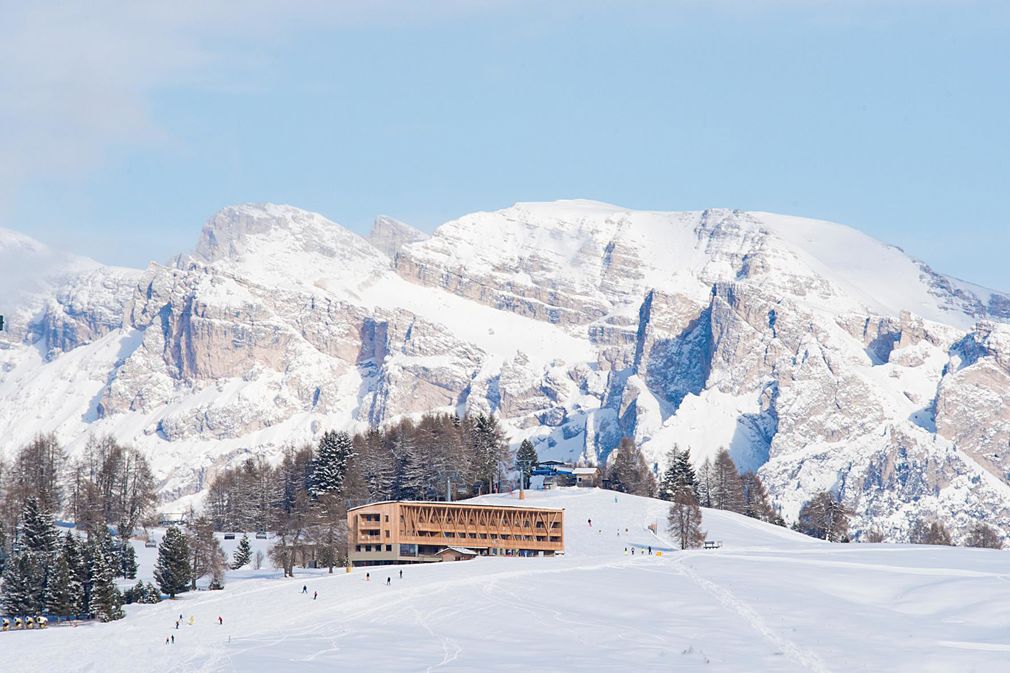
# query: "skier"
368,577
220,621
625,551
650,550
389,581
401,574
176,624
315,595
305,589
590,523
173,639
166,641
632,551
180,616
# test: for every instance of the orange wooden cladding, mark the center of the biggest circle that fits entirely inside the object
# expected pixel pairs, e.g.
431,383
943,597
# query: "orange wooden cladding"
457,524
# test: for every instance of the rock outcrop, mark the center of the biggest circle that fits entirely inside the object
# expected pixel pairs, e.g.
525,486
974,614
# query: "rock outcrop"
818,356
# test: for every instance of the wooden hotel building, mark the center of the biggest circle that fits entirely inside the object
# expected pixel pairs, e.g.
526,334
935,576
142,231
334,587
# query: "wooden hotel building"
414,532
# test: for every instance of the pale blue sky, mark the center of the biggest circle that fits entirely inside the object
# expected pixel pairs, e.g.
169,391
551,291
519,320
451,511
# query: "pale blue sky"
123,128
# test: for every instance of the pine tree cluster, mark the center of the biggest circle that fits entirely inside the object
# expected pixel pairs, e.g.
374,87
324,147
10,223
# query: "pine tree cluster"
63,578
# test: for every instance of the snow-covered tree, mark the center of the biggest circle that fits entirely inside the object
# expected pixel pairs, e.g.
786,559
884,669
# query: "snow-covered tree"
684,519
330,466
243,553
127,560
526,461
704,480
173,571
490,451
4,550
72,550
105,602
64,590
679,474
20,585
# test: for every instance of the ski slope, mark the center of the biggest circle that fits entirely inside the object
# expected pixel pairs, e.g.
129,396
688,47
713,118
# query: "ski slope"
768,600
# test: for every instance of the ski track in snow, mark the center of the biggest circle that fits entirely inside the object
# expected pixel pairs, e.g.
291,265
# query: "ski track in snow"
804,657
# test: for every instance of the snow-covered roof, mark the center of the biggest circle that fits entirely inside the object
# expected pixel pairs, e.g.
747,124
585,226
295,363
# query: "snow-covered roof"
586,470
458,550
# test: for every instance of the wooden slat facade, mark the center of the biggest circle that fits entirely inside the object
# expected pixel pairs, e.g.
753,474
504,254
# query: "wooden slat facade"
387,532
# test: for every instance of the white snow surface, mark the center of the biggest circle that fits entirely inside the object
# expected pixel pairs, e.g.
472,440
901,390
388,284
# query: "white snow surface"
769,600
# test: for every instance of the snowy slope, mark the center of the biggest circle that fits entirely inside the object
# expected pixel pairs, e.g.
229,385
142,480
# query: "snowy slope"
769,600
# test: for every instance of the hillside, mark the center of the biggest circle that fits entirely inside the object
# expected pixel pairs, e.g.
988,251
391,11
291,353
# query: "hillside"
816,354
769,600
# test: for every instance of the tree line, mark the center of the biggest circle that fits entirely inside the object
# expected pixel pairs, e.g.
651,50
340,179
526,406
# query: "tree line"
304,499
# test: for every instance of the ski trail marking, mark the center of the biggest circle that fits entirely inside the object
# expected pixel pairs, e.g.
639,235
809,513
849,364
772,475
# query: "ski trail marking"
805,658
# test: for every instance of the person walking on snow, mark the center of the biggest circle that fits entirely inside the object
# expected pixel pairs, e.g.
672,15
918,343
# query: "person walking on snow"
173,639
315,595
368,577
401,574
389,581
590,523
305,589
220,621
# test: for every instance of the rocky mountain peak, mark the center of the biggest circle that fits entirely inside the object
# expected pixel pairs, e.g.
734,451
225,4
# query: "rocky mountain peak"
389,235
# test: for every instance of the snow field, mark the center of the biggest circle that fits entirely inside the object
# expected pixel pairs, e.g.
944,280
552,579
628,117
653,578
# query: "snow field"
768,600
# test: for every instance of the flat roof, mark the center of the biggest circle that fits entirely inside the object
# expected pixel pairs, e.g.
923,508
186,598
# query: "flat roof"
442,503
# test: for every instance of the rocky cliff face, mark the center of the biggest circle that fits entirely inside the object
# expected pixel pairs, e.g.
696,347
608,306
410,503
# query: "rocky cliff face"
818,356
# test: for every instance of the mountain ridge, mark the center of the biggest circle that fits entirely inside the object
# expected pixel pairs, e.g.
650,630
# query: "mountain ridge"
818,355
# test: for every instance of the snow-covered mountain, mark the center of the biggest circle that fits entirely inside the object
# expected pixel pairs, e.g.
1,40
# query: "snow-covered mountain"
817,354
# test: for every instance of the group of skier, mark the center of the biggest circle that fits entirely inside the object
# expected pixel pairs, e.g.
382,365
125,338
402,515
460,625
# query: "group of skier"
170,640
32,622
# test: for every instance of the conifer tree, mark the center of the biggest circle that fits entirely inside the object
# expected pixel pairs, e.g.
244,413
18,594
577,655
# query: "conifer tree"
489,450
629,472
73,552
127,560
526,461
704,479
20,595
684,519
334,453
105,602
679,474
726,489
243,553
63,596
4,554
755,500
151,594
173,572
37,530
